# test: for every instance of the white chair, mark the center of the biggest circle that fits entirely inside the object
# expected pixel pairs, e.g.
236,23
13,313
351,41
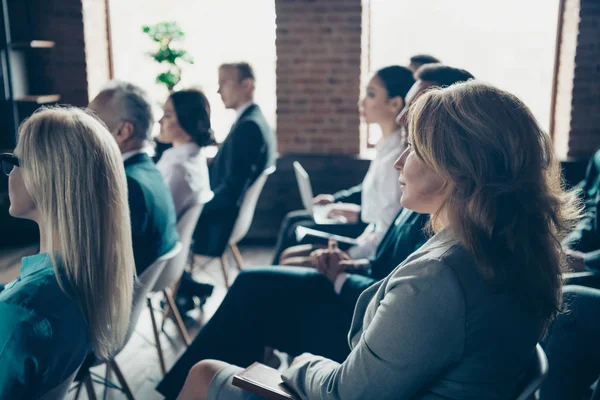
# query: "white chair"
536,372
244,220
168,281
144,285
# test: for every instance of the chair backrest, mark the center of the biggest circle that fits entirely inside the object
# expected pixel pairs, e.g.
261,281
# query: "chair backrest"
244,219
60,392
536,372
144,285
174,267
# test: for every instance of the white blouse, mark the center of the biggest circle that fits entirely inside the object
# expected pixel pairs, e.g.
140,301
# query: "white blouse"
380,195
186,173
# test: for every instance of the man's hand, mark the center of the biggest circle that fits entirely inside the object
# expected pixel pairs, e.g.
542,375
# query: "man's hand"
323,199
347,210
330,261
575,260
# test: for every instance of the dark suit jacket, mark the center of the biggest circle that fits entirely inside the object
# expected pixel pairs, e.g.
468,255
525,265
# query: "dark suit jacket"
153,221
403,237
246,152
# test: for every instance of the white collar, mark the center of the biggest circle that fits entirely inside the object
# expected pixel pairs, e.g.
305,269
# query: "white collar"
146,149
385,145
240,110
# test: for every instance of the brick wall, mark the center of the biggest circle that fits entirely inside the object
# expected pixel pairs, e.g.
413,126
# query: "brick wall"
577,107
318,76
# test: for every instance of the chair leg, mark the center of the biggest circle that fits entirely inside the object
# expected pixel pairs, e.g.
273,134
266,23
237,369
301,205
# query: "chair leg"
239,261
89,387
224,269
121,379
156,337
78,392
180,326
106,379
167,311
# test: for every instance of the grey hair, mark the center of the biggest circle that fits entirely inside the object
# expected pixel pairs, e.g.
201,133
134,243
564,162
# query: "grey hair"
130,103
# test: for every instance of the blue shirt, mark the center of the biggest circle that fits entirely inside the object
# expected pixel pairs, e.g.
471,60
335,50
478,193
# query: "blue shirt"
43,332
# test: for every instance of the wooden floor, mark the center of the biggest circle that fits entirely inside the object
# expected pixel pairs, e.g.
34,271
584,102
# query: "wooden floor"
139,360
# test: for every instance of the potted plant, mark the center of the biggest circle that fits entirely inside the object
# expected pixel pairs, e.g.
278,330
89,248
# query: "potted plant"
165,34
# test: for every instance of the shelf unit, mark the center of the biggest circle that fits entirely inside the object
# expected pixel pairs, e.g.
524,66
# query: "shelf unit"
21,72
24,87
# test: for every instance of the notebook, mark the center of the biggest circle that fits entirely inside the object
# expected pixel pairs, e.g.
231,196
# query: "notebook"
263,381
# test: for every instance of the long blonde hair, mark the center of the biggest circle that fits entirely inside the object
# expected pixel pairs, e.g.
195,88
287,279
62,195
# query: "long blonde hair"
504,194
72,167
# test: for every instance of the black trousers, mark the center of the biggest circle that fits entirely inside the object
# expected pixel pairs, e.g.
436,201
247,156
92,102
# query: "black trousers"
292,309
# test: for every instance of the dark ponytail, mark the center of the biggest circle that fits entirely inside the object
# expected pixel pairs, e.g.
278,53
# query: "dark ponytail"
193,113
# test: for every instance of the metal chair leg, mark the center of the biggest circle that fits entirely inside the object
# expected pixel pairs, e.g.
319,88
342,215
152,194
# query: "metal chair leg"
89,387
156,338
121,379
224,269
239,261
179,321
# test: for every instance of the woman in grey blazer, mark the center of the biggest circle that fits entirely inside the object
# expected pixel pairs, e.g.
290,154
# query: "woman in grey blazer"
459,318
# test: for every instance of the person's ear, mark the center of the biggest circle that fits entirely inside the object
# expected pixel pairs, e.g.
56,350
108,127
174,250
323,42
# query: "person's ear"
396,104
124,131
248,84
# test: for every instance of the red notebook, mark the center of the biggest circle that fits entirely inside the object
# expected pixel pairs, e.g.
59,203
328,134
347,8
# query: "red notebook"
263,381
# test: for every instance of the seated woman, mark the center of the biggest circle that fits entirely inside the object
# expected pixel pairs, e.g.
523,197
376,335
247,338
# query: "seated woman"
186,125
460,318
67,175
378,195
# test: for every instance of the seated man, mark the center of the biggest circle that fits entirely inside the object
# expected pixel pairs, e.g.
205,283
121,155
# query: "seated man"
283,307
247,151
127,113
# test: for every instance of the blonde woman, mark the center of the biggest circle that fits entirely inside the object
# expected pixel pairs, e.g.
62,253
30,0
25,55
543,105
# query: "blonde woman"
460,317
75,295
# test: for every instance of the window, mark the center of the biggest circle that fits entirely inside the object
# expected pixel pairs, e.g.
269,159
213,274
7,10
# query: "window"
216,32
509,44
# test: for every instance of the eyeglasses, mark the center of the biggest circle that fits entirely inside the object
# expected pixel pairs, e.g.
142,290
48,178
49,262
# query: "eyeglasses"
9,161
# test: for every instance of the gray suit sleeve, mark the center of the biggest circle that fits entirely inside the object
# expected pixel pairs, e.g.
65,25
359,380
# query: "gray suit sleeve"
416,332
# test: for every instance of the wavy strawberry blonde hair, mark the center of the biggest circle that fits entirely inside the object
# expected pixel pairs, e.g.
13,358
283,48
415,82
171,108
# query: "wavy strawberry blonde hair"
505,198
72,167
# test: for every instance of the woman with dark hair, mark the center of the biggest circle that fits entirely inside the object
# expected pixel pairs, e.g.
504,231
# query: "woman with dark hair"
186,125
373,204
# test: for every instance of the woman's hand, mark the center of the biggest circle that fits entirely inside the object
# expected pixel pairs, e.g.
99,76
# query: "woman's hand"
330,261
575,260
323,199
347,210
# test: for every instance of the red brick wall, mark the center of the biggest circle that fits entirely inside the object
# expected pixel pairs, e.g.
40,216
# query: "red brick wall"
318,76
577,110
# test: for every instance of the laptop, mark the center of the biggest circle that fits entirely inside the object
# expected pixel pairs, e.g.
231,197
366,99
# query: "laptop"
318,212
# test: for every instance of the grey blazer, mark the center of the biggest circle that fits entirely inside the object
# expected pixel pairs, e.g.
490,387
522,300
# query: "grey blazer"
432,329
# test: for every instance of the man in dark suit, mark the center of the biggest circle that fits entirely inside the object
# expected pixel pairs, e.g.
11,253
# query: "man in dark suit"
125,110
247,151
